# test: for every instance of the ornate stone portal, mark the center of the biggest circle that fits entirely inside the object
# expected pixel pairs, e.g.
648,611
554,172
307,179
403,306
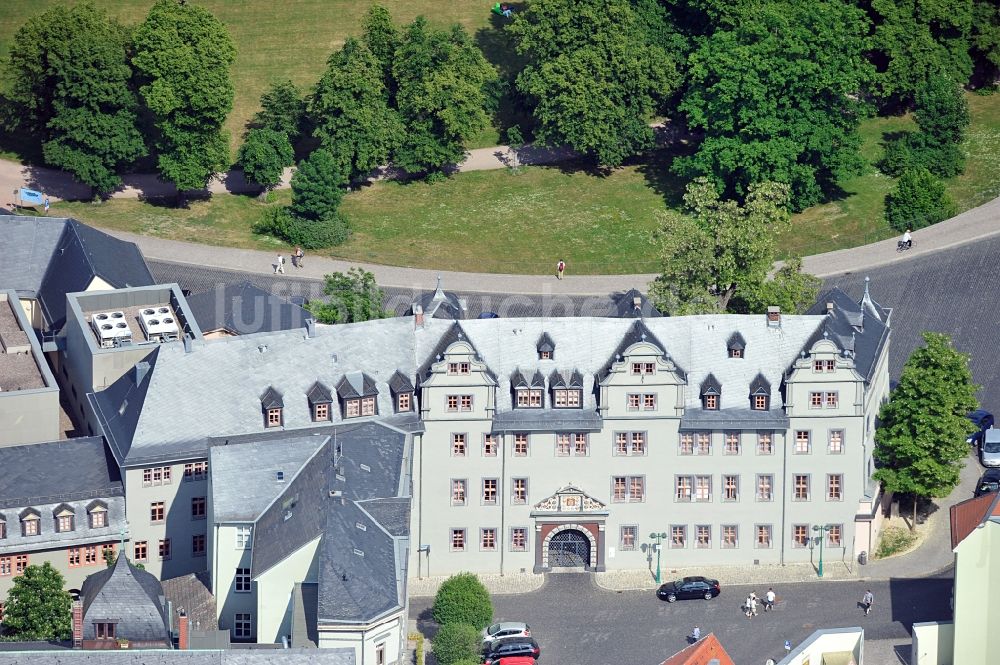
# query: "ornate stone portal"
569,531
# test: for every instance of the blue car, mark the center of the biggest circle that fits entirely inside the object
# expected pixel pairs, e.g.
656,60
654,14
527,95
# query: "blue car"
983,420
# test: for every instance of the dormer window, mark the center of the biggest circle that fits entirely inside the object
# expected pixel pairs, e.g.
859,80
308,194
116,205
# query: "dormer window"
3,527
529,398
824,365
401,388
30,523
363,406
546,347
643,368
458,368
711,392
736,345
760,394
97,515
404,402
64,517
273,407
358,393
567,398
319,399
527,393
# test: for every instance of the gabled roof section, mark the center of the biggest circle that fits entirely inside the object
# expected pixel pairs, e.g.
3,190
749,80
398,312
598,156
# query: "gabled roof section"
400,383
442,304
28,243
635,334
71,470
859,329
356,384
545,343
519,380
244,309
119,407
706,651
560,379
271,399
967,515
82,254
634,305
736,341
710,386
319,394
132,597
760,386
455,333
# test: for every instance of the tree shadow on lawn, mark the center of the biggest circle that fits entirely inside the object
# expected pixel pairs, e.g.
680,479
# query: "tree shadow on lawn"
499,49
655,166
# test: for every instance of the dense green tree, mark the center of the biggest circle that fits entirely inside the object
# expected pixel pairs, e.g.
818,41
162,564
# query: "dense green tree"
280,223
790,289
69,77
38,608
918,200
318,186
282,109
594,76
456,643
462,599
351,112
445,90
917,39
986,32
718,250
775,99
264,155
381,37
183,55
920,444
351,297
942,114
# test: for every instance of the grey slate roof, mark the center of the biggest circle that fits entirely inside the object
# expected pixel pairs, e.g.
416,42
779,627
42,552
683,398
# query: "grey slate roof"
81,254
625,306
120,405
243,308
71,470
319,394
760,386
736,341
28,244
441,304
130,597
545,343
339,656
733,418
356,384
860,328
244,474
562,379
533,420
271,399
361,568
710,386
400,383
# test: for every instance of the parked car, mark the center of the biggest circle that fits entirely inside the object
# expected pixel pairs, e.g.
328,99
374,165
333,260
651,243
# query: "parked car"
990,482
983,420
512,660
506,629
517,645
989,449
689,587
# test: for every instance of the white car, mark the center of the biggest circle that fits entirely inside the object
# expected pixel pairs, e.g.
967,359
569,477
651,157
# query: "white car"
989,449
505,629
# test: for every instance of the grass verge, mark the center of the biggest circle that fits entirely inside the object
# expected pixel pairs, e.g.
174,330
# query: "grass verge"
894,540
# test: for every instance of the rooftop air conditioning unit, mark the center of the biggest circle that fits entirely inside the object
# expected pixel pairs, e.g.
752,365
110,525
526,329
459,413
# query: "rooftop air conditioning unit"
111,328
159,323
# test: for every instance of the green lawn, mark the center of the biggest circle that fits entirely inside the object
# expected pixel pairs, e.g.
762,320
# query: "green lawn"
278,40
493,221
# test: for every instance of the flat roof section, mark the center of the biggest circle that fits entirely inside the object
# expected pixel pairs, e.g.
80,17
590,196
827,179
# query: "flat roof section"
135,318
18,367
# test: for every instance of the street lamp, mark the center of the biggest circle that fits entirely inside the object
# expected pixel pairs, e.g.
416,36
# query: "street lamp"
822,536
658,537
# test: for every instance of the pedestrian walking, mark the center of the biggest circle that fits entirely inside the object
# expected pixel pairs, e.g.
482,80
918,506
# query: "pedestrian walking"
867,601
298,257
788,647
279,265
769,600
46,205
695,634
753,605
560,269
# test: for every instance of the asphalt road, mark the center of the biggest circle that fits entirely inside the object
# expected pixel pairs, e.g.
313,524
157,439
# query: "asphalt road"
578,623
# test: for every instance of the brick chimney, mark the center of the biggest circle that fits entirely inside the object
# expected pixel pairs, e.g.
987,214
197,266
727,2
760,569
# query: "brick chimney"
418,316
77,623
773,317
182,630
829,308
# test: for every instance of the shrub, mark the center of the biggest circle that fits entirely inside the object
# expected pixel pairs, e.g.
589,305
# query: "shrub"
463,599
919,200
456,643
281,223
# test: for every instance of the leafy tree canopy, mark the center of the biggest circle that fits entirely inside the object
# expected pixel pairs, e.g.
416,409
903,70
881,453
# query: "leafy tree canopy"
790,289
38,608
352,297
446,89
381,37
183,56
986,31
595,75
282,110
351,111
918,200
70,75
920,444
776,100
264,155
720,249
457,643
318,186
916,39
462,599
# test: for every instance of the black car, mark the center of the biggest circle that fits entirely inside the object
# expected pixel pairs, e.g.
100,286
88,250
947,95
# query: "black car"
689,587
990,482
517,645
983,420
